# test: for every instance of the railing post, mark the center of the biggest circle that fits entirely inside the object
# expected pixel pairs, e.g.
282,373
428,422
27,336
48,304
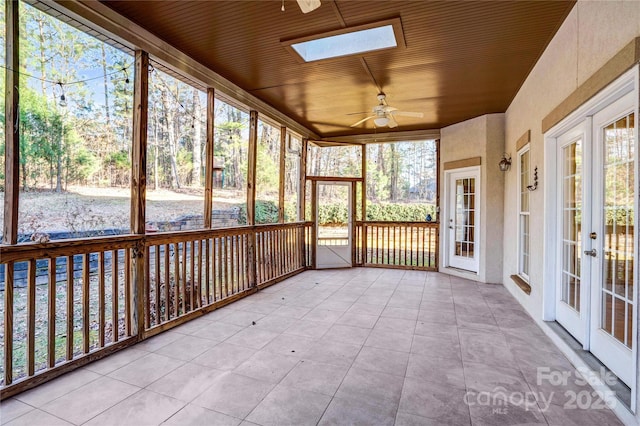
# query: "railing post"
363,210
209,159
11,123
251,195
11,167
283,164
138,187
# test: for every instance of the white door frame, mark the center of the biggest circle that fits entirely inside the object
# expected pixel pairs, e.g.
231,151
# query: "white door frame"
616,90
576,323
448,246
339,256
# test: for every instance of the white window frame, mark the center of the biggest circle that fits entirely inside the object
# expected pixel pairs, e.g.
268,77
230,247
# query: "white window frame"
520,237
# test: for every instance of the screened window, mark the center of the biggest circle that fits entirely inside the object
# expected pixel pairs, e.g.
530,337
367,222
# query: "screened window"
267,173
76,97
231,162
175,154
335,161
524,170
293,154
402,181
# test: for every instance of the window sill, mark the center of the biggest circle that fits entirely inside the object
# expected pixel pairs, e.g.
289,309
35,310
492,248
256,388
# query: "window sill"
524,286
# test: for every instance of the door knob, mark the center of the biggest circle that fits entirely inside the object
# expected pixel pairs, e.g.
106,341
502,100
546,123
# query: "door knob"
591,252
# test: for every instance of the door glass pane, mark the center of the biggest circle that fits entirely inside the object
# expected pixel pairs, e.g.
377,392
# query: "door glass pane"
464,218
618,244
571,223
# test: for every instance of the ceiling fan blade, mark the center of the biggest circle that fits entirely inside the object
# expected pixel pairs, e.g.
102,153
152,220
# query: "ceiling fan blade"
363,120
308,5
408,114
358,113
392,121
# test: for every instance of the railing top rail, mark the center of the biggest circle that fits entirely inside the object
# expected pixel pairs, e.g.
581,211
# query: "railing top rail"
398,223
68,247
27,251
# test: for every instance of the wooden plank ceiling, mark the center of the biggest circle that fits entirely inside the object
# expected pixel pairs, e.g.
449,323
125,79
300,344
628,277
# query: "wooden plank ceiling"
462,59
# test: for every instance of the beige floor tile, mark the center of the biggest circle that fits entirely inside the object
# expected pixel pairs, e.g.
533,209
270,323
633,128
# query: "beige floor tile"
224,356
185,382
116,360
37,418
49,391
141,409
198,416
90,400
290,406
186,348
316,377
233,394
12,408
146,370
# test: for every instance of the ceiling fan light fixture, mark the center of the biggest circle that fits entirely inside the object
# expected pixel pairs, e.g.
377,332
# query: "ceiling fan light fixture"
308,5
381,121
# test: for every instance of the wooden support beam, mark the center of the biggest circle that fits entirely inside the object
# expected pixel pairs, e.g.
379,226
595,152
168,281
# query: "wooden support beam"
363,210
302,197
209,158
251,195
352,227
437,265
139,185
11,123
283,164
314,219
251,173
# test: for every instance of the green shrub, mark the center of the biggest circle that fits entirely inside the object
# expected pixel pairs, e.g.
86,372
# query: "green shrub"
266,212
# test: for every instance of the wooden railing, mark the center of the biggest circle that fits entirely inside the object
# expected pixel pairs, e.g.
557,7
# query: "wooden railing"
69,302
83,308
407,245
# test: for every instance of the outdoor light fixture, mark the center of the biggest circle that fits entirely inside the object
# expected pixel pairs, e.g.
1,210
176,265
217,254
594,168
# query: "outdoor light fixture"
63,99
381,121
505,163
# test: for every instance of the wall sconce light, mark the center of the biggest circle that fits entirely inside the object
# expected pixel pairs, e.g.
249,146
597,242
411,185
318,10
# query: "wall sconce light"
535,180
505,163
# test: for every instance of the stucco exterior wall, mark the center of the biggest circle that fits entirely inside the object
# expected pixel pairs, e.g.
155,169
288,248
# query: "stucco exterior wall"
479,137
592,33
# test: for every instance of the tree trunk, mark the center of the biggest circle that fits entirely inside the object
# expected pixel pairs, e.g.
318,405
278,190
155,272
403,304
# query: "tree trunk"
197,140
170,117
393,191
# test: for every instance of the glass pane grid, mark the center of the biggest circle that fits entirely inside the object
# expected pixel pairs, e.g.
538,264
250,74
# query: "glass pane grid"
465,218
571,224
618,246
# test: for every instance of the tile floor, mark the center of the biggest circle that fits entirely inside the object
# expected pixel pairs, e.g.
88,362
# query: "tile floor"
349,347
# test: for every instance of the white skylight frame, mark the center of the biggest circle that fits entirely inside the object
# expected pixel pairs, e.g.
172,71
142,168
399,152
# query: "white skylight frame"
369,39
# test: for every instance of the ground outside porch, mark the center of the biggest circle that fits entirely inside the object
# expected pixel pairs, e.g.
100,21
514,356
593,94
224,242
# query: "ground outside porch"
361,346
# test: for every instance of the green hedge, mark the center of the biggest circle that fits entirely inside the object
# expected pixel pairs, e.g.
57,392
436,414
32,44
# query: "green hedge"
336,213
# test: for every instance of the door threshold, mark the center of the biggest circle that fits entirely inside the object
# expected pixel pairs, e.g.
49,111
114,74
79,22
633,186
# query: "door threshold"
460,273
587,363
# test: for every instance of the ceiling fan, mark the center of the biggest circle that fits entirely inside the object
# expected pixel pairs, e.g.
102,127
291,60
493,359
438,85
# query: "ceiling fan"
308,5
384,115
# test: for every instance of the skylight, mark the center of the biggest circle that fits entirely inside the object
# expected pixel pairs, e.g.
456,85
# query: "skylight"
349,41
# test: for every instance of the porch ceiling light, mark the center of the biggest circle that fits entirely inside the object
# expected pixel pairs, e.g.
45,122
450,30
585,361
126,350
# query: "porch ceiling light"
350,41
381,121
505,162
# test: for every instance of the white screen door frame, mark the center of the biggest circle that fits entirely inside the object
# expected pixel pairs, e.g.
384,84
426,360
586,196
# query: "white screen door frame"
462,221
335,250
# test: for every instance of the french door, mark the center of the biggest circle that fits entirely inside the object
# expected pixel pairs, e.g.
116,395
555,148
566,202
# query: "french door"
463,187
597,250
